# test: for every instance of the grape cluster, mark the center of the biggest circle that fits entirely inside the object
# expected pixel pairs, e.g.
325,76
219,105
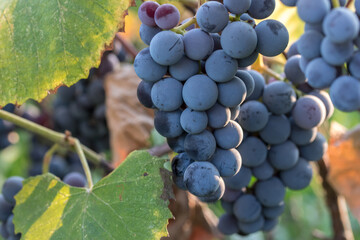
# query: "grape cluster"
327,55
190,77
6,128
280,139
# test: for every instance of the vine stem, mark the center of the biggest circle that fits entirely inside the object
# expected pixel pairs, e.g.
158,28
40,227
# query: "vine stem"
47,157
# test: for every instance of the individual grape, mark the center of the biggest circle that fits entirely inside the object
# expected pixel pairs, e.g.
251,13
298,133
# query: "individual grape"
64,120
200,147
293,71
345,93
201,178
253,152
166,94
253,116
217,41
212,17
297,177
270,192
167,16
357,7
58,166
166,48
10,227
309,112
75,179
247,208
320,74
200,92
229,136
249,81
66,93
5,208
215,196
11,187
263,171
16,237
168,123
235,111
231,195
146,13
184,69
272,35
178,165
232,93
252,227
249,60
315,150
312,11
354,65
177,143
239,180
144,94
273,212
238,39
237,7
357,41
259,85
220,67
283,156
146,68
289,3
309,44
303,64
313,27
279,97
261,9
218,116
246,17
270,224
228,162
325,98
198,44
335,21
227,206
305,88
277,129
147,33
3,231
336,53
301,136
193,121
78,112
292,50
228,224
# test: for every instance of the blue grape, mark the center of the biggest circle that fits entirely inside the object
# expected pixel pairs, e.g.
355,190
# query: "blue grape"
167,16
227,206
309,44
246,18
249,81
293,50
247,208
283,156
3,231
200,92
229,136
335,21
202,178
238,40
166,94
178,165
177,143
312,11
146,12
277,130
325,98
354,65
279,97
59,166
315,150
309,112
357,7
273,212
218,116
10,227
252,227
263,171
303,64
217,41
237,7
228,224
270,192
270,224
345,93
273,37
11,187
227,162
198,44
147,33
5,208
168,123
297,177
166,48
253,152
193,121
289,3
200,147
293,71
301,136
313,27
232,93
217,195
235,111
184,69
239,180
259,85
336,53
249,60
231,195
75,179
305,87
220,67
261,9
212,17
320,74
146,68
144,94
16,237
253,116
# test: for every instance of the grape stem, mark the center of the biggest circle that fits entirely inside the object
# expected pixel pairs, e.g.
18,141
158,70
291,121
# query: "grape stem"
335,3
349,3
47,157
181,29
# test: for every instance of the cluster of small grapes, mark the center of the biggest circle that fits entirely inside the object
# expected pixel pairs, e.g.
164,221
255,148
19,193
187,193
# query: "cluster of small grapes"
192,80
6,128
331,41
81,109
280,139
7,202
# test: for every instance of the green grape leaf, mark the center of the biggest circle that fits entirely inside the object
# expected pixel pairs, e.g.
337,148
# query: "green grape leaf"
44,44
130,203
